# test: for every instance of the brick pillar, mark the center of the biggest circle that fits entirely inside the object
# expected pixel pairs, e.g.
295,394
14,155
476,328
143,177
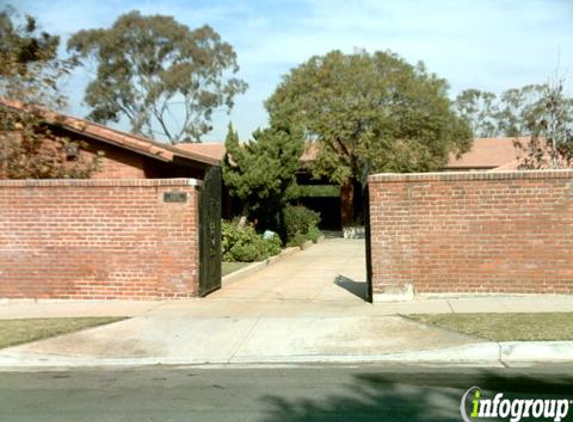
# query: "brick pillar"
346,204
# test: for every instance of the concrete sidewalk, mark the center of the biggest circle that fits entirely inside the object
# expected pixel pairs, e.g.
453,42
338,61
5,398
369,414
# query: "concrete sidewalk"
239,332
250,308
306,308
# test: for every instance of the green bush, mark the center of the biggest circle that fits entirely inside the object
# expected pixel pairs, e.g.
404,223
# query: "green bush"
299,219
297,240
313,234
244,244
274,244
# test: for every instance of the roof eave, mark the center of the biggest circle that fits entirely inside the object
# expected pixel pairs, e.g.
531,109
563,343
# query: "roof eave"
117,144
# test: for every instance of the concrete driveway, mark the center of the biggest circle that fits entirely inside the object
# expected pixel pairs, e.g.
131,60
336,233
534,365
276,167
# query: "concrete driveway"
331,271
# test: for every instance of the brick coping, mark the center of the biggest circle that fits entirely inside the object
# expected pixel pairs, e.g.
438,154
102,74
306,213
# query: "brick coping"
471,175
46,183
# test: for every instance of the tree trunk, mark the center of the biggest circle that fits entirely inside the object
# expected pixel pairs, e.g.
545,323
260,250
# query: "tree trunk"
244,214
346,204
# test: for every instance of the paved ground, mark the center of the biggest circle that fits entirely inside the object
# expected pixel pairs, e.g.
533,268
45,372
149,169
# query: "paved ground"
328,272
308,307
279,394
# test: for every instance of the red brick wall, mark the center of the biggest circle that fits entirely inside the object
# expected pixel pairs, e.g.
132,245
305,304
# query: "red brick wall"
472,232
117,163
121,163
98,239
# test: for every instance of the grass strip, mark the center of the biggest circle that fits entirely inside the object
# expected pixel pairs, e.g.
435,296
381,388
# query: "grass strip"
19,331
545,326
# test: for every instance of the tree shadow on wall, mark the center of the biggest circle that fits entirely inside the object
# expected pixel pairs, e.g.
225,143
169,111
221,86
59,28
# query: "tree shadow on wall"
409,397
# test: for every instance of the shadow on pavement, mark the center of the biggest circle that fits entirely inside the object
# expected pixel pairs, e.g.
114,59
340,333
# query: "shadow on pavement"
357,288
411,397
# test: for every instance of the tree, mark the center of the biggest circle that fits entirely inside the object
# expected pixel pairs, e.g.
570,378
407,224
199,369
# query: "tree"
514,113
550,126
541,113
371,113
480,109
519,109
29,75
262,172
148,64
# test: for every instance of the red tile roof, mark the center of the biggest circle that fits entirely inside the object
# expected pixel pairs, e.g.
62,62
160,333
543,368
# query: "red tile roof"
214,150
138,144
487,153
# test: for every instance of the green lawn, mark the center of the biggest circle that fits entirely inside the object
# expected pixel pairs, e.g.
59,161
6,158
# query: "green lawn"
548,326
229,267
18,331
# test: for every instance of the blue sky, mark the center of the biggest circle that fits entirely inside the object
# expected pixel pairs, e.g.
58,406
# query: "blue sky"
488,44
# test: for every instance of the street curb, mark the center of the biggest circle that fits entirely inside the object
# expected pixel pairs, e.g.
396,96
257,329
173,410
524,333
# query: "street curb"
487,353
258,266
536,351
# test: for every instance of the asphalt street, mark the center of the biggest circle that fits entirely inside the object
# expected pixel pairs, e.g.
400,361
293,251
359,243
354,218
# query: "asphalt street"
347,393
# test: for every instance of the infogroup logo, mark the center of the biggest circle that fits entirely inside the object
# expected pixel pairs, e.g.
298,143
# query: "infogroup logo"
475,405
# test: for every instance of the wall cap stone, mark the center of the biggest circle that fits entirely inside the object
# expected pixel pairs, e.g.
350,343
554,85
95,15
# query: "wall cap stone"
87,183
470,176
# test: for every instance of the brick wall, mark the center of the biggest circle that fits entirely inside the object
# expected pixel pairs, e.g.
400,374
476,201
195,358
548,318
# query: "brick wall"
98,239
121,163
472,233
117,163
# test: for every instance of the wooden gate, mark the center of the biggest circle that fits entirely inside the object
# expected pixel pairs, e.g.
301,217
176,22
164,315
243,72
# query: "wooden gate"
366,199
210,233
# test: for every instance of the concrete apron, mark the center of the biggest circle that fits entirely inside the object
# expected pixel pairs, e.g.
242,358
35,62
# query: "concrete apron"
221,341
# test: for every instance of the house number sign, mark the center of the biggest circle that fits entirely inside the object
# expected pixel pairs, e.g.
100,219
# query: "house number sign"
175,197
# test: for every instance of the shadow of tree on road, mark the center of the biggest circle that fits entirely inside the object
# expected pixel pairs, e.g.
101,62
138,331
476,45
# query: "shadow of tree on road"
410,397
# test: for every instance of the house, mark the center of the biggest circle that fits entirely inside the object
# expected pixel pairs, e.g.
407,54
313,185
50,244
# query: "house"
125,156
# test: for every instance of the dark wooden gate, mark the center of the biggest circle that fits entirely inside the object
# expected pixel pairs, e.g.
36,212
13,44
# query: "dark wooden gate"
366,201
210,233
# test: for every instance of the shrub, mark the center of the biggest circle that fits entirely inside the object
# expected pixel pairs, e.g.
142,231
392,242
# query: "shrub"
299,219
274,244
245,245
297,240
313,234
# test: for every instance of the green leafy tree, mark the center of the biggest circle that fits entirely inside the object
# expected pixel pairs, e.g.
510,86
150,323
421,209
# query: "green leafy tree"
262,172
516,112
519,109
29,75
540,113
549,123
480,109
162,76
371,113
